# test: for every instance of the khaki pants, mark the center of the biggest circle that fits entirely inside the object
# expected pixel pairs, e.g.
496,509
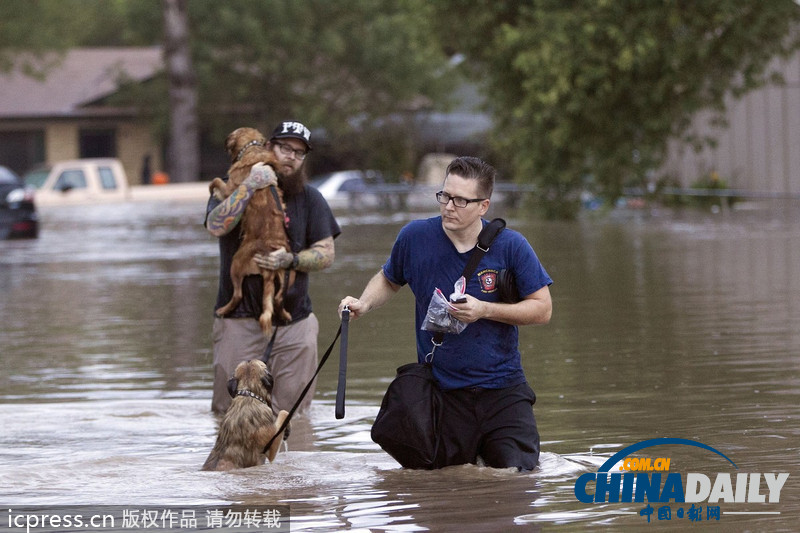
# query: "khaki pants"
292,363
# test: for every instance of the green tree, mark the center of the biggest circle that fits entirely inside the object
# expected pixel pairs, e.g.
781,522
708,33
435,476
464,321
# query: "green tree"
591,91
354,68
339,65
35,27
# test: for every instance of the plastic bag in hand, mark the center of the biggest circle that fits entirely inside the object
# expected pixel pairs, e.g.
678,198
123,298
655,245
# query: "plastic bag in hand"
438,318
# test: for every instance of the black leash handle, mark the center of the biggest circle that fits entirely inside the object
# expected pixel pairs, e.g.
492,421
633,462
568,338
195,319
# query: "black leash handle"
342,364
305,390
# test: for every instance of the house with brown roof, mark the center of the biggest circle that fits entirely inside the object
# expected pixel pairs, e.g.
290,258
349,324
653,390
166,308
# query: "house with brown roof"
66,113
69,113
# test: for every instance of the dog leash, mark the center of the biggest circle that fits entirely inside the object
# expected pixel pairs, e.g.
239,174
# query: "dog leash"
274,190
305,390
268,351
342,364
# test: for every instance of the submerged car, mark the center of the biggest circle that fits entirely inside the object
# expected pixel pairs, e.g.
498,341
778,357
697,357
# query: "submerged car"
350,189
18,217
364,189
78,182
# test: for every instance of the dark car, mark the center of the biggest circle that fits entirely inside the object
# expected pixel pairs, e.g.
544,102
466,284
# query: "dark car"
18,218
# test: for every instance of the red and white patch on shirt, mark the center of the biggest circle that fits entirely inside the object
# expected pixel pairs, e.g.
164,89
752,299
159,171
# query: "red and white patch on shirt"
488,279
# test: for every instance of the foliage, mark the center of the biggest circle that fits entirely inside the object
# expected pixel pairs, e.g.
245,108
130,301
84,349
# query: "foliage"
39,26
338,66
708,184
594,90
583,93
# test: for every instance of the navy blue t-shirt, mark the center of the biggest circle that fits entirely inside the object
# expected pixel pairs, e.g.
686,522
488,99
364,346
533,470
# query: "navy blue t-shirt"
310,220
486,354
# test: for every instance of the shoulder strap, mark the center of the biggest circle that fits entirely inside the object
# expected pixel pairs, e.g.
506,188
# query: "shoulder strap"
487,236
485,239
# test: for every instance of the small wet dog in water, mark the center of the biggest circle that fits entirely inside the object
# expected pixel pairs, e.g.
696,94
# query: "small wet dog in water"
249,423
263,225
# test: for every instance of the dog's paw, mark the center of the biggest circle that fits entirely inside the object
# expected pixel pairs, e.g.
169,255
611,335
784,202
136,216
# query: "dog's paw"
261,176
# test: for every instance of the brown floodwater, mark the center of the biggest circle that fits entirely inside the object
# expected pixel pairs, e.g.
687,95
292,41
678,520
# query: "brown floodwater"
666,324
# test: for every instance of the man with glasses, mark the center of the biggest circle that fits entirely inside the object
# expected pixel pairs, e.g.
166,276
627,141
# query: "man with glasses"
311,228
487,409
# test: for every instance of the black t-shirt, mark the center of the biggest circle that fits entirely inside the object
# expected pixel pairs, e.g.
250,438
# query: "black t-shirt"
309,220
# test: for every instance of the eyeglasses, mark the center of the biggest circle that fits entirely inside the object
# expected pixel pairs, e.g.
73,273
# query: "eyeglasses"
288,150
444,198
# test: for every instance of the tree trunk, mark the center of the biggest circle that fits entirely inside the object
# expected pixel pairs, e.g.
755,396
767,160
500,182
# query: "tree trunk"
183,152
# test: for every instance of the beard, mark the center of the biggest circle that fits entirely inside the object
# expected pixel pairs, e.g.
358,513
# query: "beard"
294,182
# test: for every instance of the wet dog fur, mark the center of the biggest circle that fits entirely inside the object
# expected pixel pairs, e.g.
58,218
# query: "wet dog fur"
249,423
263,227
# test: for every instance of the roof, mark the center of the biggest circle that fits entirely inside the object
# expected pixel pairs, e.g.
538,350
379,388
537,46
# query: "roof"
82,77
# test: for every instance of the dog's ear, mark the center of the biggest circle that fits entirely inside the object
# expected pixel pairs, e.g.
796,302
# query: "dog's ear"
267,381
230,144
233,384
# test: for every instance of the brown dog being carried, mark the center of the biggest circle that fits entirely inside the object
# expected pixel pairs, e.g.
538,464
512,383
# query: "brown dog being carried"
249,423
263,225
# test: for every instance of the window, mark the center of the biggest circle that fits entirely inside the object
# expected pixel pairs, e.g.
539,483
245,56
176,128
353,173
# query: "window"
353,185
7,176
107,180
21,150
98,143
36,178
71,179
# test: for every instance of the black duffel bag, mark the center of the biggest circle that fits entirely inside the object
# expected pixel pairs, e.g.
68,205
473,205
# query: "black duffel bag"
408,425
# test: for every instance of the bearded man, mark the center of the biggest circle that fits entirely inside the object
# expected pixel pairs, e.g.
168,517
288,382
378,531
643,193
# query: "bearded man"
311,228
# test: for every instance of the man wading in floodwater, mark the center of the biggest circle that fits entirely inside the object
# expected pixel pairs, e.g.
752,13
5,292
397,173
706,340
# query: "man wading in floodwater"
487,400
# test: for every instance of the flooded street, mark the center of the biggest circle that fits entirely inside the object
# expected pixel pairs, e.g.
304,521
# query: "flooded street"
665,325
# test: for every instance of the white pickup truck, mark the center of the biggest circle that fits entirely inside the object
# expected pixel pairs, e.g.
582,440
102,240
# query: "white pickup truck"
94,181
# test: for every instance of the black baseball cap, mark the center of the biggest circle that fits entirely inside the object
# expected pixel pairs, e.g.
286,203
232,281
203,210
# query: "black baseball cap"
292,129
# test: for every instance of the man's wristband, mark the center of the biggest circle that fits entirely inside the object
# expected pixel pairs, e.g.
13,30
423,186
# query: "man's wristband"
295,261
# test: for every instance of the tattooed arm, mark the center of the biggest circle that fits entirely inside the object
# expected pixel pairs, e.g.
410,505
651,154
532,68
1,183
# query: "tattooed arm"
223,218
318,256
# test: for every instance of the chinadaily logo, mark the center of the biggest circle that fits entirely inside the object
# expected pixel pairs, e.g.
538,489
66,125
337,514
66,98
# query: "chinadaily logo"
690,496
